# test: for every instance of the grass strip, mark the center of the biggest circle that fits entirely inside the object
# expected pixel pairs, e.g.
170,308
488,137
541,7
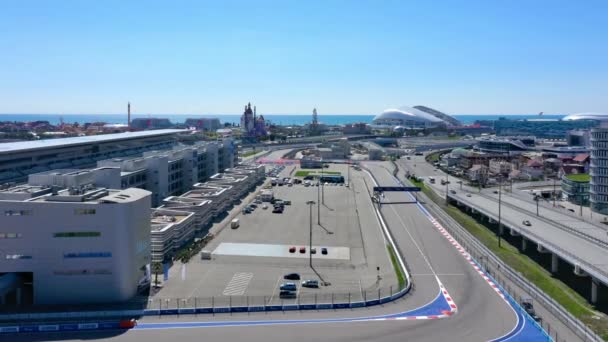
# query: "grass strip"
249,153
397,267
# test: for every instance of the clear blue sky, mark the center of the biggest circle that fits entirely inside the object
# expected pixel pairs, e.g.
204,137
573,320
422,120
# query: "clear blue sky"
211,57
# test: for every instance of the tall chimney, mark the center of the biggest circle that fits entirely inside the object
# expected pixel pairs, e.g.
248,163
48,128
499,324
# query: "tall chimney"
129,115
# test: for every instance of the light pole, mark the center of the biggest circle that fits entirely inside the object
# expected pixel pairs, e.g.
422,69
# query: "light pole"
310,204
318,205
499,206
553,192
447,184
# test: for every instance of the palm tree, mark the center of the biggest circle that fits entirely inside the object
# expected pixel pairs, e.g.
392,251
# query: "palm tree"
157,268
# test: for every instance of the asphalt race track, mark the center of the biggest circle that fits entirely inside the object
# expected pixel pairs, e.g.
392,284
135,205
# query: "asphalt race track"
422,315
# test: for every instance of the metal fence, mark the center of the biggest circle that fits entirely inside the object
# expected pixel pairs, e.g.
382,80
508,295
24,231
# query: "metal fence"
150,306
490,262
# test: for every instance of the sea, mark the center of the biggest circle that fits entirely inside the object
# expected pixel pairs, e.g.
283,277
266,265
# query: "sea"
278,119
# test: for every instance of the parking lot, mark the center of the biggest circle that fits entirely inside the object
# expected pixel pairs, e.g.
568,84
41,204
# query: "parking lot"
248,263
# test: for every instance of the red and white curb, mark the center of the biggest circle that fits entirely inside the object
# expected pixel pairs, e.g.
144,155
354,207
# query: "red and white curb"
444,313
468,257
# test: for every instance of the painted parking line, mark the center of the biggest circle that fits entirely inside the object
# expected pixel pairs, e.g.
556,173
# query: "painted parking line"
238,284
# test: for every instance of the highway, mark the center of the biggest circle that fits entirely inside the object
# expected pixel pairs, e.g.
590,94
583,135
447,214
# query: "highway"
482,314
576,241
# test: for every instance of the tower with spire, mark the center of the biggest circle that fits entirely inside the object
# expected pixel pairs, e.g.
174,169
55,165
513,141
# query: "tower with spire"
252,125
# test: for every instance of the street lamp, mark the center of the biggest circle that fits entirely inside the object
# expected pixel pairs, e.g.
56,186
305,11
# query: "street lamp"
447,184
499,206
310,204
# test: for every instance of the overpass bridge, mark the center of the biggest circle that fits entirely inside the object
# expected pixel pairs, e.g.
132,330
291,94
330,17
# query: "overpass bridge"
588,254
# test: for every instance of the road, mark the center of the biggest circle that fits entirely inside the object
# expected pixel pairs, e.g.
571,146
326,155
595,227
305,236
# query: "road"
482,313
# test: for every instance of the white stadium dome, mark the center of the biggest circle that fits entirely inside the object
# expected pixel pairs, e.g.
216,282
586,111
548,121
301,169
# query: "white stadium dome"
407,117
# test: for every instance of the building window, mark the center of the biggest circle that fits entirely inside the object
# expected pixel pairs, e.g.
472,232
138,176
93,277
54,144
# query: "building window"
17,212
88,255
76,234
17,257
10,235
84,211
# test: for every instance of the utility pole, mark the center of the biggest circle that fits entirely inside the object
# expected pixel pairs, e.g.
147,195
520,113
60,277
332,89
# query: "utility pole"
554,192
499,206
447,184
310,204
318,205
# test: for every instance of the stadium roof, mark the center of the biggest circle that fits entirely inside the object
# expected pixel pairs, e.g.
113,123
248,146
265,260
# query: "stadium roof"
23,146
407,114
587,116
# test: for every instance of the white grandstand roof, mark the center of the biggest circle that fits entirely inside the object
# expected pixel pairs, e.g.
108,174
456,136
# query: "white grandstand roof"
23,146
406,113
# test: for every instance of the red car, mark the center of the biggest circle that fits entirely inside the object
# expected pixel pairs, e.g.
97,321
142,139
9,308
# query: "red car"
292,249
302,250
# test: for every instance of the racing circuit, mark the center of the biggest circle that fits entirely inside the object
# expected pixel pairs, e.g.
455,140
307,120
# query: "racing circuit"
450,298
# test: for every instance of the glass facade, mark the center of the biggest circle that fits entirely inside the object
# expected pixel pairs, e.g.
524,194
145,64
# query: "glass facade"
599,170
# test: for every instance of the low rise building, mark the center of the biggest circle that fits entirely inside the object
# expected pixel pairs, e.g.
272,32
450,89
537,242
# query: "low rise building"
478,173
309,162
63,246
575,188
499,167
170,230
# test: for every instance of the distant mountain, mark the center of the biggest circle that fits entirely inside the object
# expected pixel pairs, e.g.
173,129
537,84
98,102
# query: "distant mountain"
450,120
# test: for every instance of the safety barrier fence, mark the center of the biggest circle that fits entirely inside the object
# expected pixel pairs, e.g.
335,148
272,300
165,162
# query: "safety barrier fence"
210,305
490,262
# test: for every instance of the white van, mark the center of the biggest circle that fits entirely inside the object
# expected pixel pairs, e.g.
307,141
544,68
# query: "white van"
234,224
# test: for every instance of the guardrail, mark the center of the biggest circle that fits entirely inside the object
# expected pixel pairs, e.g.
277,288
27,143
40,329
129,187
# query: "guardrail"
546,220
480,252
589,268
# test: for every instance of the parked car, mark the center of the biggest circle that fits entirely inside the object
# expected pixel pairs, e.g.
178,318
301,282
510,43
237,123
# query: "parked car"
277,210
287,294
310,283
264,207
324,251
570,209
292,249
288,287
452,191
495,191
313,251
302,250
468,195
527,223
292,276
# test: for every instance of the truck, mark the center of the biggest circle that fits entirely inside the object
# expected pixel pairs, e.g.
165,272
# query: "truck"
234,224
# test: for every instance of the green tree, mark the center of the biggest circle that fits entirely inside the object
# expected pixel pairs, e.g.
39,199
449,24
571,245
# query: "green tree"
157,268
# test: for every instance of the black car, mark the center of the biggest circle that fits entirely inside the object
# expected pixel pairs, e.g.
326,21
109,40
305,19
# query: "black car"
324,251
287,294
292,276
529,308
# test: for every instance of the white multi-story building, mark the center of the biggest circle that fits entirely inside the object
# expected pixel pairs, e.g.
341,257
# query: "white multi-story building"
202,209
173,172
20,159
78,245
170,230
